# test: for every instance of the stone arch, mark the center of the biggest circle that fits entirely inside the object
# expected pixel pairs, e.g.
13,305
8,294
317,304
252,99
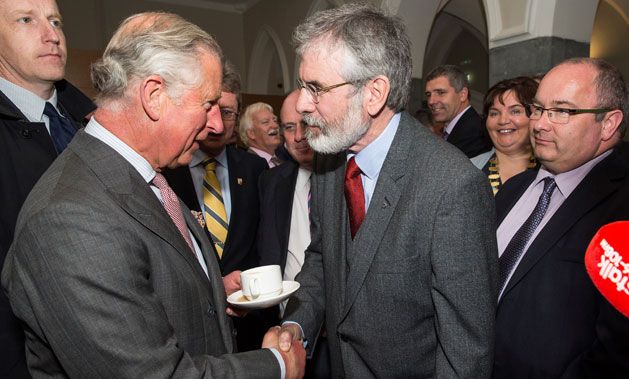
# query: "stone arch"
458,35
315,6
268,63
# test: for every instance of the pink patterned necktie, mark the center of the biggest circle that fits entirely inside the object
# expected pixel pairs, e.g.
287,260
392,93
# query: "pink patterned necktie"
172,206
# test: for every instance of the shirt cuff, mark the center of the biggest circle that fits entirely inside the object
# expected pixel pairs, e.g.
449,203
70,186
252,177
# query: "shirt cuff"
280,361
303,335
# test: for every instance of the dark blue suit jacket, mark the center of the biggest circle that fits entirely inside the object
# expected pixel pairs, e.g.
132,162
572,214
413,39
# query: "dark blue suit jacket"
470,135
551,321
277,187
240,251
26,151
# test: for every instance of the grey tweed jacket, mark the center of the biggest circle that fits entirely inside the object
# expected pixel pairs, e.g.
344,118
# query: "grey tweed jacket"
414,294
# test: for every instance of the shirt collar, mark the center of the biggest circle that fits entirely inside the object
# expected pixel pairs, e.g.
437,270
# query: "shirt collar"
371,158
262,153
31,105
569,180
199,157
456,119
99,132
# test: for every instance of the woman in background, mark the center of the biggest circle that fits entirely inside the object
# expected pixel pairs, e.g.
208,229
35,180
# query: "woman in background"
507,121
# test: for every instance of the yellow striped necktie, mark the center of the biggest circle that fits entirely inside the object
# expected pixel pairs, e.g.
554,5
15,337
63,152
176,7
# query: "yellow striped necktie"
215,215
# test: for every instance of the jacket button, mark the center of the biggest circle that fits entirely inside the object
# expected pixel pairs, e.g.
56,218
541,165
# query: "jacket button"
210,310
341,336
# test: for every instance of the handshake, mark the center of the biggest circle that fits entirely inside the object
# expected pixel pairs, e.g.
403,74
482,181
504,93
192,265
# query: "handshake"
288,341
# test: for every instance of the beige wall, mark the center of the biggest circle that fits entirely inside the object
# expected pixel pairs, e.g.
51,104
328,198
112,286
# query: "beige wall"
282,16
89,24
609,37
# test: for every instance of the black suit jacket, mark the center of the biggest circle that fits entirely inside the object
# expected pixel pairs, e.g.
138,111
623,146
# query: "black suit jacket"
470,135
26,151
277,187
240,251
551,321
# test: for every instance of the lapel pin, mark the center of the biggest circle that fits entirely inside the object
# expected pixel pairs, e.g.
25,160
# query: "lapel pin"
199,217
239,181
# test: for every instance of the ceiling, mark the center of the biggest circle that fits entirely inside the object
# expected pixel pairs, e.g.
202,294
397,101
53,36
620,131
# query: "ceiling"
233,6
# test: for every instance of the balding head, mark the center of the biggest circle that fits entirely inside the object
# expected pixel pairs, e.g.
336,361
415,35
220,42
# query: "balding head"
293,128
152,43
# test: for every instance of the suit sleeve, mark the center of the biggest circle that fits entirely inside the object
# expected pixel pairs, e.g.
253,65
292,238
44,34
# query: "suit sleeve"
464,277
89,295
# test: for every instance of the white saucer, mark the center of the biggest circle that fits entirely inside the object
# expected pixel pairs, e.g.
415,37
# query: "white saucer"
237,300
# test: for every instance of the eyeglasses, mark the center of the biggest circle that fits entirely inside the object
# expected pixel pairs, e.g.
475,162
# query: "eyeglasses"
228,114
316,91
560,115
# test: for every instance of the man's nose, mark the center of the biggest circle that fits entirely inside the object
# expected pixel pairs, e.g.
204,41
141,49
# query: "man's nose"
305,103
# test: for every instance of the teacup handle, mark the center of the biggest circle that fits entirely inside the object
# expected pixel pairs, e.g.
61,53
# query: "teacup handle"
253,288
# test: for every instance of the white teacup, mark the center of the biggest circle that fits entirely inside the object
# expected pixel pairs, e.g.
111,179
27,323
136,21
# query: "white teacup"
261,282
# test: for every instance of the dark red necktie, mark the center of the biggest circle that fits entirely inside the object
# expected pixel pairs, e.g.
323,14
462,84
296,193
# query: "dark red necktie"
354,196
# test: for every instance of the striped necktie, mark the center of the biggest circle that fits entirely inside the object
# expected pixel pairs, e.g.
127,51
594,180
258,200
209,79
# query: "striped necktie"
515,248
215,215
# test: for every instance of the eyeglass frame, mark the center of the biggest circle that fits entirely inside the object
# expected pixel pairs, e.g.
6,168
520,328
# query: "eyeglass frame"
315,93
570,111
229,112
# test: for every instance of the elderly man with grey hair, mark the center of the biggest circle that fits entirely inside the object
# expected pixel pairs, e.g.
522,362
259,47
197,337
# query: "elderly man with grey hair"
109,271
402,264
260,132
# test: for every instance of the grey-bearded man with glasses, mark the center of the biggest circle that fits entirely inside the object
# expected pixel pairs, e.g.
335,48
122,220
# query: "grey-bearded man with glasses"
551,321
402,264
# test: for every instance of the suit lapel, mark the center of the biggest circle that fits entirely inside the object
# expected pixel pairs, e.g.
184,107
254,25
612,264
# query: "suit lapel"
383,203
216,291
330,217
129,190
235,171
602,181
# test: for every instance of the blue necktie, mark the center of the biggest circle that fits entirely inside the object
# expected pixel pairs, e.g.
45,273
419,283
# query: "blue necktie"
61,129
515,248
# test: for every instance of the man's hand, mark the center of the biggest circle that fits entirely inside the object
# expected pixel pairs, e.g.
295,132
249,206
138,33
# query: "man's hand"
289,333
231,282
294,356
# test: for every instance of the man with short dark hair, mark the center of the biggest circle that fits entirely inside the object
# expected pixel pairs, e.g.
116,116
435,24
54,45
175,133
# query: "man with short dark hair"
402,262
551,320
39,114
447,94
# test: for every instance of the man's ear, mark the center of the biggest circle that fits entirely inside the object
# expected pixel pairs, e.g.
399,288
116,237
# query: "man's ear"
152,96
250,134
610,124
464,94
376,94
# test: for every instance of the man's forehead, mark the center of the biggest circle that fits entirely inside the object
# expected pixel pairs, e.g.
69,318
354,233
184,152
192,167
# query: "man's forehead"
319,64
228,99
9,7
440,82
262,113
566,84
